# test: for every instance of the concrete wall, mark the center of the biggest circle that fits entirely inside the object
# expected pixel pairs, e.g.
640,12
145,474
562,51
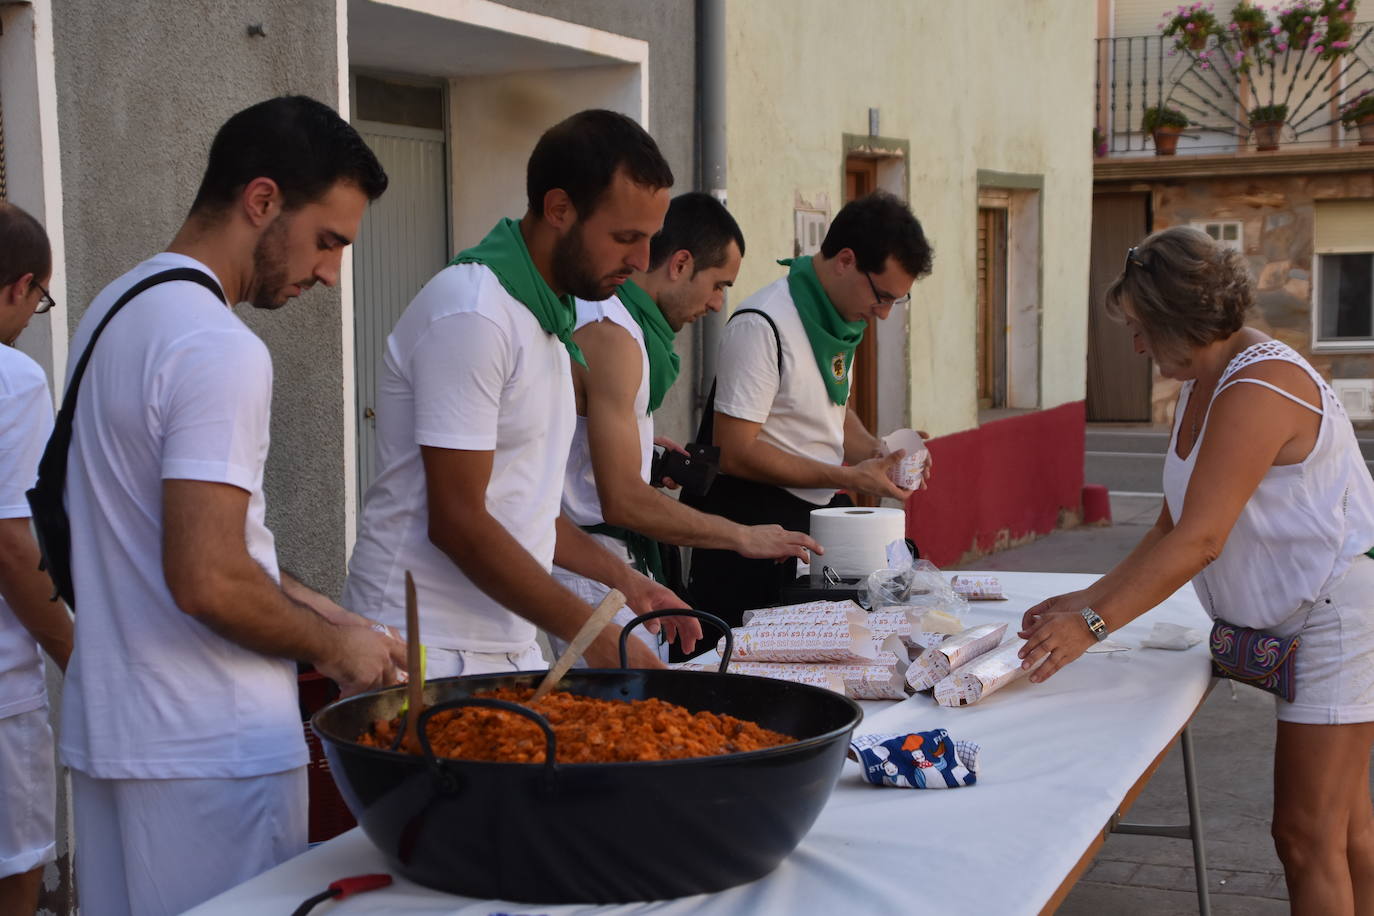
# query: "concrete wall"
670,28
143,85
794,89
1277,216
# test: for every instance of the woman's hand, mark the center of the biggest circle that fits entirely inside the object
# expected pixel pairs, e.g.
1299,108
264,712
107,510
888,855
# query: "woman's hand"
1055,634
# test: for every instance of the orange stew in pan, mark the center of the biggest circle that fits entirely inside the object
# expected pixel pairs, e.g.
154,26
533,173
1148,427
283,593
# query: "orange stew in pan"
587,730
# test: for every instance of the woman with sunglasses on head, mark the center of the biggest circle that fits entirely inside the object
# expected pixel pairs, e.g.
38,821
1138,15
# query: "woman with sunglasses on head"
1269,511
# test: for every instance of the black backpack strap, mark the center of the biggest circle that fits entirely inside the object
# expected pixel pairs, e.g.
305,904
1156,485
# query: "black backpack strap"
52,467
708,415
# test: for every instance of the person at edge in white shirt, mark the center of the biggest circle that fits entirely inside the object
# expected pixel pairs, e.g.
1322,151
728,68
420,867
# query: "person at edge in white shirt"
628,342
180,717
788,439
1269,513
475,415
29,617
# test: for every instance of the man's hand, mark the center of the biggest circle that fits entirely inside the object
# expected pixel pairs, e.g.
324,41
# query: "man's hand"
773,542
643,595
605,653
362,659
871,477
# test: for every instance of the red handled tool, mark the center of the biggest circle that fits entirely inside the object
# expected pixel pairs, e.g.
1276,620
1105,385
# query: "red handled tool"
345,887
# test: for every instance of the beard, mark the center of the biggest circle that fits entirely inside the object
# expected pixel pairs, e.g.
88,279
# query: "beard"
570,271
269,266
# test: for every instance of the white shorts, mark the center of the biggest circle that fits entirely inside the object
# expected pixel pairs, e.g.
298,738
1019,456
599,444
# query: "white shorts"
28,793
147,847
591,591
1335,660
454,662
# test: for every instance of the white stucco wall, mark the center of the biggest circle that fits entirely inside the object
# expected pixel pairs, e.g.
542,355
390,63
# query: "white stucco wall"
1000,87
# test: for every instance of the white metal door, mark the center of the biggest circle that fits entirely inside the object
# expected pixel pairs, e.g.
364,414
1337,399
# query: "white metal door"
402,244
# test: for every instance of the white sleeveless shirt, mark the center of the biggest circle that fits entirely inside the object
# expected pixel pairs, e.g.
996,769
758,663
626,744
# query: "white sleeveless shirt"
1305,522
581,503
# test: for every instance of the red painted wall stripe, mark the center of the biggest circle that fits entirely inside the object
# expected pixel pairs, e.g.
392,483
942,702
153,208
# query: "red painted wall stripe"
1013,475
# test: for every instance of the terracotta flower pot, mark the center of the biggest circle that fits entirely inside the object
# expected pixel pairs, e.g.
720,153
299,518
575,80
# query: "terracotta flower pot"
1197,41
1249,34
1166,140
1365,126
1266,134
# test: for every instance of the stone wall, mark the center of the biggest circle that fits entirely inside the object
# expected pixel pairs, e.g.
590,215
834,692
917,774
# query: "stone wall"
1277,213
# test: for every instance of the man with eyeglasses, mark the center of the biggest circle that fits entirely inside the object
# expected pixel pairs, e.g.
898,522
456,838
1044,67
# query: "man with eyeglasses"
787,437
29,620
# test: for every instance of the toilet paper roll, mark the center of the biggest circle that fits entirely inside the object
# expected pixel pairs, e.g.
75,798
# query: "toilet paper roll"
855,539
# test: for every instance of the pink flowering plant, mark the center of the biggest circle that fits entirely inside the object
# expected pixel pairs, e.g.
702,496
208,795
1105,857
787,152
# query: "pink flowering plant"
1358,109
1191,25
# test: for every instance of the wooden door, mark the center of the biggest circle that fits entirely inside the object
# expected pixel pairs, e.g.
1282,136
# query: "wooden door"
860,178
992,307
1119,379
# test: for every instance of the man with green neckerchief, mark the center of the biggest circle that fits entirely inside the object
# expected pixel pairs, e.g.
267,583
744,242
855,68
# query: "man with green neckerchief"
787,437
475,416
628,341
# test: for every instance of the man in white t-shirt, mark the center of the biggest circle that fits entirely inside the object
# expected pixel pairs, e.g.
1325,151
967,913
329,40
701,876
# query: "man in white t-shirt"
29,618
628,342
475,415
180,716
787,437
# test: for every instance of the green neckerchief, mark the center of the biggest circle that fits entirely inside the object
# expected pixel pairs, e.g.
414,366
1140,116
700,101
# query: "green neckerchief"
643,549
664,363
504,253
833,339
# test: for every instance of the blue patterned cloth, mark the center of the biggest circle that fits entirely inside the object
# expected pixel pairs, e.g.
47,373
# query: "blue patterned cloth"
918,760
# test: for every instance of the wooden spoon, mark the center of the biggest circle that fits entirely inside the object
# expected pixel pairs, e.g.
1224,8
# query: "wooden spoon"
415,686
613,602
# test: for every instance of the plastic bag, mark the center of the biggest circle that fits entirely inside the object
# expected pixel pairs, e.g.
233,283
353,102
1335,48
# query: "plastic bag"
910,583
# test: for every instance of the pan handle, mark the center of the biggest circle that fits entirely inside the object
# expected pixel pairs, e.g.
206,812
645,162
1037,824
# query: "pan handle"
436,764
704,617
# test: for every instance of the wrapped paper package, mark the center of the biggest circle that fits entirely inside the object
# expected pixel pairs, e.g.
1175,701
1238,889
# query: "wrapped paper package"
811,612
803,642
827,676
931,666
860,682
895,621
983,676
978,588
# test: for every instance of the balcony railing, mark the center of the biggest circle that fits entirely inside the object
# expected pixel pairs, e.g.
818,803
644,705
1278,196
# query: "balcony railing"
1215,90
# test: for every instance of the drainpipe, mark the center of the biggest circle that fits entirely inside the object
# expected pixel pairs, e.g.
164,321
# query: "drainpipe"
711,102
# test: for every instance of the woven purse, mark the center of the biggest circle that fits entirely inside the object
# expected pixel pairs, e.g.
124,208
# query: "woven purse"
1255,657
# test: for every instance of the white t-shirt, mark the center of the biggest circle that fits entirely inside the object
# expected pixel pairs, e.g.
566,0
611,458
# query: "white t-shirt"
25,424
796,411
467,367
177,388
581,502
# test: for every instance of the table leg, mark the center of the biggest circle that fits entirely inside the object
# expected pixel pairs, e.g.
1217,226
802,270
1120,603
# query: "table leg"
1191,831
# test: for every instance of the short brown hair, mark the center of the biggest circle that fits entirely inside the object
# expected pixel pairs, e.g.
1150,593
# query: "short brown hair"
1184,288
23,246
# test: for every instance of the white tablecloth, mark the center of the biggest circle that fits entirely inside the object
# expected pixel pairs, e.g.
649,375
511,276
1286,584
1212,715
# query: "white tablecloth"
1057,759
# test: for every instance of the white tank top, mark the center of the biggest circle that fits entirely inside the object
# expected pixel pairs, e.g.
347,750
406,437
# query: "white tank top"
580,500
1304,524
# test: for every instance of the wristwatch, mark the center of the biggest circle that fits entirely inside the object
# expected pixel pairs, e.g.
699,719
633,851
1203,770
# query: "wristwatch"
1095,623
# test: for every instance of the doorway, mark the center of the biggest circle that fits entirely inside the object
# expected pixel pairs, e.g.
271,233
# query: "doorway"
404,239
1119,379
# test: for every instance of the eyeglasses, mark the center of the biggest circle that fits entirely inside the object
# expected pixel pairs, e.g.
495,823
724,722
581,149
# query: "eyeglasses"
1133,258
46,302
886,298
